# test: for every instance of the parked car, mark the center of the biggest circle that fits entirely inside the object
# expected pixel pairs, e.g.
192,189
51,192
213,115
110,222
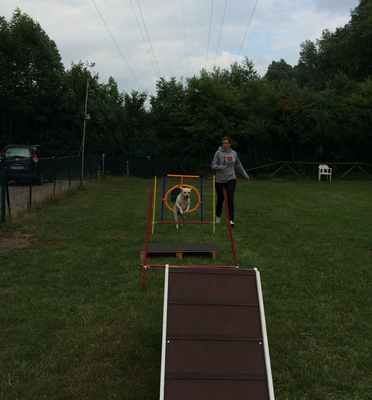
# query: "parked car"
25,163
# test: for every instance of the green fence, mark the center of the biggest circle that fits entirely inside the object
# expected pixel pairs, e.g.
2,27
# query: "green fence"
68,172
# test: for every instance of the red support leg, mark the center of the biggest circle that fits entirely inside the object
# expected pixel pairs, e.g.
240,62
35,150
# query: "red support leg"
147,237
228,221
144,276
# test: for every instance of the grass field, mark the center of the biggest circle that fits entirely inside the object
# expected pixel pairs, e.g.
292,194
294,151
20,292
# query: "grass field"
76,322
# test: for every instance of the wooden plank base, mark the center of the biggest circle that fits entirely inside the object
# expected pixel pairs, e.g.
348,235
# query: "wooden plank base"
179,249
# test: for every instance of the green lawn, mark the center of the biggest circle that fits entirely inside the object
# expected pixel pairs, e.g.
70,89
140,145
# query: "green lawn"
76,322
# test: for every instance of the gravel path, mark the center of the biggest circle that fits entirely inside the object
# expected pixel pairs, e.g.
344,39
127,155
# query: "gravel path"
19,194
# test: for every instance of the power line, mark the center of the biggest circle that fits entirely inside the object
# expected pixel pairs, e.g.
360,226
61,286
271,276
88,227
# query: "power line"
245,34
219,38
209,35
148,37
130,69
184,35
144,40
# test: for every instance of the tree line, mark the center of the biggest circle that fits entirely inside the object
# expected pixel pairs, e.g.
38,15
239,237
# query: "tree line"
318,110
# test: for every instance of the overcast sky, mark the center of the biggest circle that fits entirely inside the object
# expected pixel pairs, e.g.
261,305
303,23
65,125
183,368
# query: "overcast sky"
138,41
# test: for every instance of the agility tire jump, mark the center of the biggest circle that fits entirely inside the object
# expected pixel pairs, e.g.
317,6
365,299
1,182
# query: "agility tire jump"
176,187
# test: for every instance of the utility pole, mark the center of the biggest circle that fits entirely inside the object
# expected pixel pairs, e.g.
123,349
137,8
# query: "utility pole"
86,117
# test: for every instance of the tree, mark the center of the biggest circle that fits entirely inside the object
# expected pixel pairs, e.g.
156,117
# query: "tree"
31,74
309,70
214,107
4,96
358,43
105,129
278,71
348,50
67,136
168,115
118,119
239,75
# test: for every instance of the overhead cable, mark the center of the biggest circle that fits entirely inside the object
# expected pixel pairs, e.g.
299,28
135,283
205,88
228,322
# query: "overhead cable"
144,40
184,34
148,37
219,38
209,35
245,34
130,69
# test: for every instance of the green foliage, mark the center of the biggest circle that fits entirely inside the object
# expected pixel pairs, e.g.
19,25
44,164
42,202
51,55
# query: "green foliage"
358,43
214,107
347,50
317,110
278,71
168,116
31,71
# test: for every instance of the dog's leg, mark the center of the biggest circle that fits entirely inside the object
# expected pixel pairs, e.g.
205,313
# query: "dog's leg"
175,215
182,214
185,212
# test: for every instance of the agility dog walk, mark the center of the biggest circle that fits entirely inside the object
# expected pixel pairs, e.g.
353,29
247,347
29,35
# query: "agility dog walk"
214,342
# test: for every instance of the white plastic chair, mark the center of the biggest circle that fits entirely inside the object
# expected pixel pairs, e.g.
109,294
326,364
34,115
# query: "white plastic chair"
323,169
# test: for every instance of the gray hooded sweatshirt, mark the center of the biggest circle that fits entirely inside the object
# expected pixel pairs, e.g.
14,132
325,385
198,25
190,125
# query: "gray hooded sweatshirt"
230,159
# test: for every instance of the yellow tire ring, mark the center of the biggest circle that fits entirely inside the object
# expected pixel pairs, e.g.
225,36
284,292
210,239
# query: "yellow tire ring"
177,186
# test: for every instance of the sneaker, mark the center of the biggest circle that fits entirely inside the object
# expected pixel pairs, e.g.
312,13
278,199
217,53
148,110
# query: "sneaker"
232,224
218,220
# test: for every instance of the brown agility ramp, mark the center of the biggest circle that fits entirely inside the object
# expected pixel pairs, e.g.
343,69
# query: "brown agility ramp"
214,342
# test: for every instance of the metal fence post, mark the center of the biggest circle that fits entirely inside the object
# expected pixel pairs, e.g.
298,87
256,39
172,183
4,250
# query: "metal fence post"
90,168
149,157
3,180
130,156
54,174
30,183
97,165
81,171
69,171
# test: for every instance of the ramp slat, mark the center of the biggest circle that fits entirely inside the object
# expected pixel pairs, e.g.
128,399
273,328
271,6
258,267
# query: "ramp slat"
201,389
179,249
199,320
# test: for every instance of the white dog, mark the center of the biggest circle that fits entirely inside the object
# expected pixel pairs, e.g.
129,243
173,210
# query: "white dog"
182,204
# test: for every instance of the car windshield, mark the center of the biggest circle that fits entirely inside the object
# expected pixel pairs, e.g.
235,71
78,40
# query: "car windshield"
17,152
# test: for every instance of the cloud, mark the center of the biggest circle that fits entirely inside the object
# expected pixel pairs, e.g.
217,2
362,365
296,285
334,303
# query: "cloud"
111,34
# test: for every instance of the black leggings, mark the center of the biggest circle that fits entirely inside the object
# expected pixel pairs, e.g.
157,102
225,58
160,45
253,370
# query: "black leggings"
230,190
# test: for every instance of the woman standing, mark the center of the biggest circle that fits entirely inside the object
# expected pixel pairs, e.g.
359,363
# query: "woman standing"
224,161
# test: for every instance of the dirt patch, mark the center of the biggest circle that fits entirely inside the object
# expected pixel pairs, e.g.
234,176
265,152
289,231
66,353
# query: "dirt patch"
7,244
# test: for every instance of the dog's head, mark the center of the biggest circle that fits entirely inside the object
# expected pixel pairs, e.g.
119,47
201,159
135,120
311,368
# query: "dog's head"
185,191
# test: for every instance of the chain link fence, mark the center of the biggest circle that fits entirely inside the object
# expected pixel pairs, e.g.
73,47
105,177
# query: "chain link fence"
140,167
71,172
68,172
